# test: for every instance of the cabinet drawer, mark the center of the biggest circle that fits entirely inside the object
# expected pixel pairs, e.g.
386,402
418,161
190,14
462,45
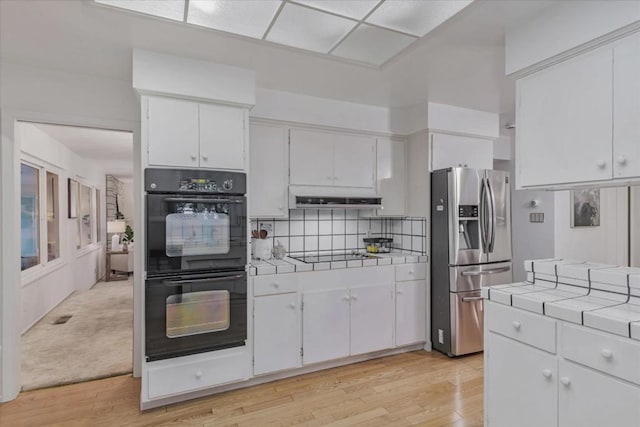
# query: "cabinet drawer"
528,328
408,272
274,284
613,355
166,378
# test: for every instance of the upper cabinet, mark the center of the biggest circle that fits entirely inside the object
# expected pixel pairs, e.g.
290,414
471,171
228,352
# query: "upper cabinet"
391,165
183,133
460,151
577,121
268,171
334,160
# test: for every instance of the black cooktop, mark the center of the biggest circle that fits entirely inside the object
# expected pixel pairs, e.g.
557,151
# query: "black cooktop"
334,257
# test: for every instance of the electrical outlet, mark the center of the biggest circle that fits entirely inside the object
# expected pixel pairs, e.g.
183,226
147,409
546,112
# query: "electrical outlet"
267,226
440,336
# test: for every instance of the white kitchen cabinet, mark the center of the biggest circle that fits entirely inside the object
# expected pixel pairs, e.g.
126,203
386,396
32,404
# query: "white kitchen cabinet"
172,132
626,108
521,385
460,151
564,122
269,171
331,160
189,134
590,399
410,312
325,325
221,137
371,318
391,174
276,328
354,161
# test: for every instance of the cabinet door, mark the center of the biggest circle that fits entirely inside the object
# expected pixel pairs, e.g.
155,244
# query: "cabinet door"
452,151
172,132
626,108
564,122
311,158
410,312
510,367
391,175
588,398
371,318
268,173
221,137
325,325
354,161
276,333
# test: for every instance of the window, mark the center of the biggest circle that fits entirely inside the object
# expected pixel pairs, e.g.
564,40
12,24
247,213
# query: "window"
29,216
86,217
98,218
53,214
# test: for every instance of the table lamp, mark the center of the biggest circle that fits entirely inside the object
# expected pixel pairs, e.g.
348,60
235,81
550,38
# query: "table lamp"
116,227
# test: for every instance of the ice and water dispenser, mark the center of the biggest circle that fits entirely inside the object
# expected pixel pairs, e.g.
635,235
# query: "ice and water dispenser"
468,227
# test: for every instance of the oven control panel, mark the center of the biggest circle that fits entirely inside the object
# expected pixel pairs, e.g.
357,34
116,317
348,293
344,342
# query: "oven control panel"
198,184
194,181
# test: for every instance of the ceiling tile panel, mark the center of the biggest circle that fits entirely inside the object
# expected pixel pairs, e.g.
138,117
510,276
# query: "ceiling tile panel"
356,9
417,17
372,45
170,9
248,17
305,28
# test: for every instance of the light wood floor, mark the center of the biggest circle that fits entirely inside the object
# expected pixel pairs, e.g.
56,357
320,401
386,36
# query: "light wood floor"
417,388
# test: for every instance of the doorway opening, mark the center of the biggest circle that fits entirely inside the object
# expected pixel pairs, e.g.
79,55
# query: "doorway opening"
76,194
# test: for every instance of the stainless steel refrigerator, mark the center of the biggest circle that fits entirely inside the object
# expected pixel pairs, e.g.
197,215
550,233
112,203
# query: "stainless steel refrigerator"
470,249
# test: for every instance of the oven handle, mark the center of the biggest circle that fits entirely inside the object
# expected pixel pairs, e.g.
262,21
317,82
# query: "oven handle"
196,200
187,281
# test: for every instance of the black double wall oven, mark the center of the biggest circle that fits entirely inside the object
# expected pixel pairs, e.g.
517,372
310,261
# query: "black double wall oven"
196,286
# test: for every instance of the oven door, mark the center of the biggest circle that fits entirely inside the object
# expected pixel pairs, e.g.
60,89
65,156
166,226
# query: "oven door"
195,314
195,233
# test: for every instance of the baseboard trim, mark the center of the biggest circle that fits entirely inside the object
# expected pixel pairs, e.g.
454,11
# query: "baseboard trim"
150,404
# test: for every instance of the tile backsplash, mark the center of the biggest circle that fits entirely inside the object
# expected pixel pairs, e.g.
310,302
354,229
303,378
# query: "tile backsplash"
325,231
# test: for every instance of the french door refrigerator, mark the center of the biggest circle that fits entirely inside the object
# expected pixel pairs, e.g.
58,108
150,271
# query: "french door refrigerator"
470,249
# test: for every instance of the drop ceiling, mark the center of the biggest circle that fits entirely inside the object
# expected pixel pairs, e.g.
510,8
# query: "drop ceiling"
370,32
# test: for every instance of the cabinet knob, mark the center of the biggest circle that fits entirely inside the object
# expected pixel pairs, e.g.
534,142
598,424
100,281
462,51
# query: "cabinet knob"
346,298
292,305
606,353
276,284
329,178
199,374
205,158
399,292
516,325
546,373
411,272
336,178
566,381
354,297
280,208
601,164
194,158
622,160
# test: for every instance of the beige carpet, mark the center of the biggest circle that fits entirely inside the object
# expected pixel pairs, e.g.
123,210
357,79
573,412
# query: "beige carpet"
96,342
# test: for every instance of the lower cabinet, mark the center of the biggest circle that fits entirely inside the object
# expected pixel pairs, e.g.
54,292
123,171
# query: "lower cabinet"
522,387
276,333
410,312
343,322
325,325
591,399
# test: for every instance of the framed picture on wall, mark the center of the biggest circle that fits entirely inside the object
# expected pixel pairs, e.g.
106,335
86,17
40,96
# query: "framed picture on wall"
585,207
72,188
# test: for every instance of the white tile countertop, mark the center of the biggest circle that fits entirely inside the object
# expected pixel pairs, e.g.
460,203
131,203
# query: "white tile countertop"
290,265
603,297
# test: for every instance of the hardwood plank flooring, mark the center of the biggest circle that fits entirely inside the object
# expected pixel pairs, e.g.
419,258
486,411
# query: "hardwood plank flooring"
417,388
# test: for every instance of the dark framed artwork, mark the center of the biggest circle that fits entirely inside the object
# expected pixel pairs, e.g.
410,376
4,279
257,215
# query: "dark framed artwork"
72,188
585,207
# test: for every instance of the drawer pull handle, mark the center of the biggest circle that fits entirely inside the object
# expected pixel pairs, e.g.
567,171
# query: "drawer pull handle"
566,381
606,353
199,374
547,373
276,284
516,325
411,272
292,305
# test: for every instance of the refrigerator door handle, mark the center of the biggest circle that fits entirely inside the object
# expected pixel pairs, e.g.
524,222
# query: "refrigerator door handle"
483,224
484,272
492,203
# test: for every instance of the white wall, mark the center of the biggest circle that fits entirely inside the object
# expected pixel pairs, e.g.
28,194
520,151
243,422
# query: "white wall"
44,287
607,243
